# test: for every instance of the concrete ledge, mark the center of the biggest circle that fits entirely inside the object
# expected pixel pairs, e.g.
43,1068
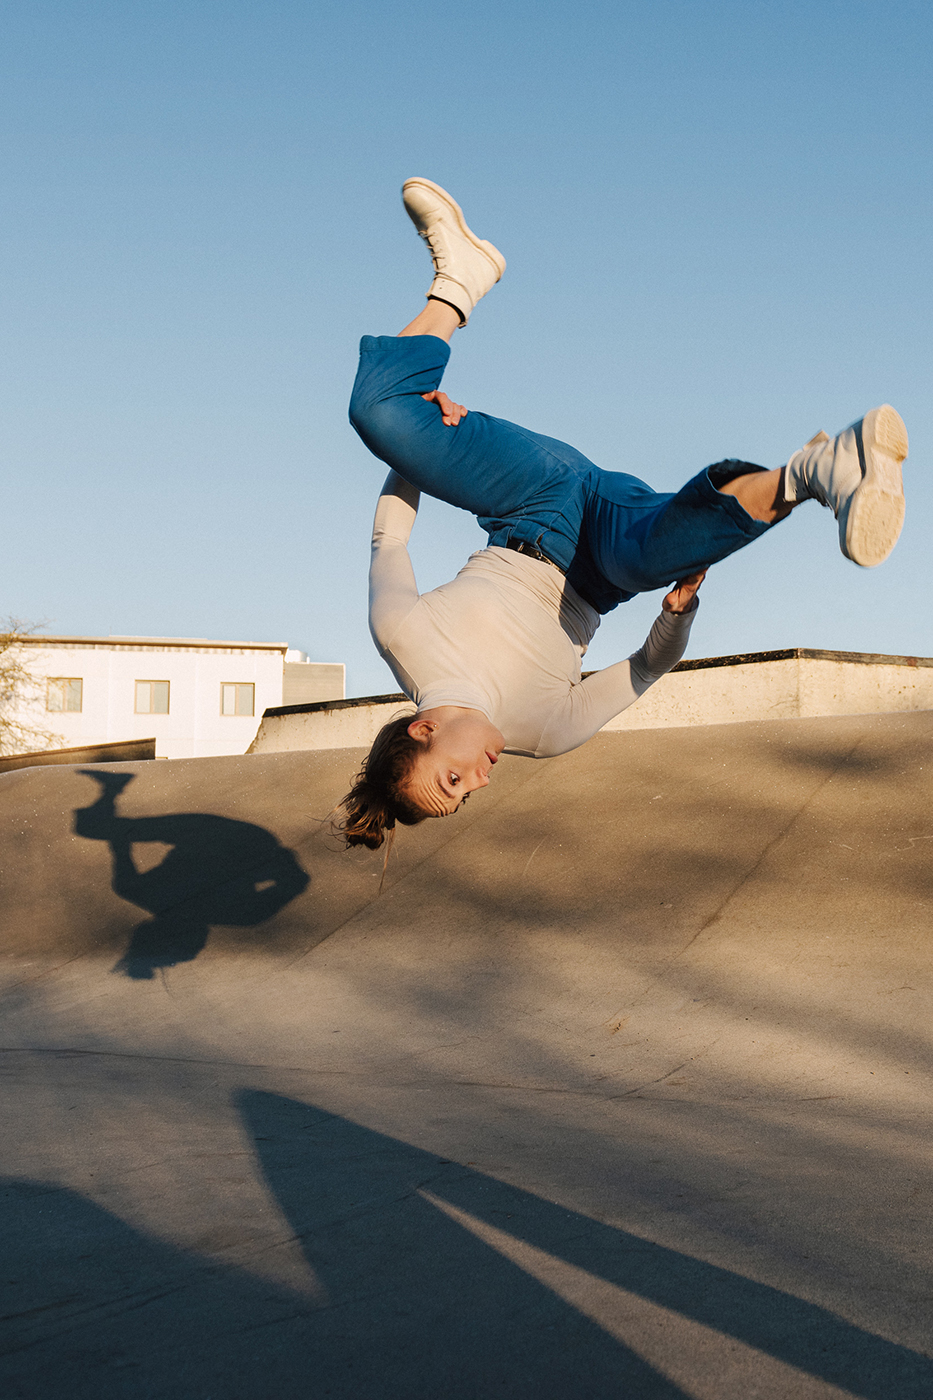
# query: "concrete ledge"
793,683
123,751
856,658
329,724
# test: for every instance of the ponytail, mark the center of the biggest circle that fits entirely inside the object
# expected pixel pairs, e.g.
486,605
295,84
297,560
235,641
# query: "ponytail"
376,801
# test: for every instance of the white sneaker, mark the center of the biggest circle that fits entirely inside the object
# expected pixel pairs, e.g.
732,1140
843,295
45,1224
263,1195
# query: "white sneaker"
858,475
465,266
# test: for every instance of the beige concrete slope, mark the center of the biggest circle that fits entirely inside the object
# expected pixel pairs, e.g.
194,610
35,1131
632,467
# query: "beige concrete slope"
622,1086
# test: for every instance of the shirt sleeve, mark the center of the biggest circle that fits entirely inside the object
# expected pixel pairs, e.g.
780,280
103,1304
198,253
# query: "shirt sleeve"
392,588
605,694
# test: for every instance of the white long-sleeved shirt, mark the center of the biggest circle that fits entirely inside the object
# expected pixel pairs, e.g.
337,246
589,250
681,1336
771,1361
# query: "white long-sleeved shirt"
506,637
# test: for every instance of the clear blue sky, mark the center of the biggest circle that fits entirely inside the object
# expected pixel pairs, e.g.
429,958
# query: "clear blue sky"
717,218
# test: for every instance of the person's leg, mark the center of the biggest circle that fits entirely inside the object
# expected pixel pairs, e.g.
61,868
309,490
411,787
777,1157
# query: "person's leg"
640,542
761,494
520,484
857,474
465,267
524,486
438,318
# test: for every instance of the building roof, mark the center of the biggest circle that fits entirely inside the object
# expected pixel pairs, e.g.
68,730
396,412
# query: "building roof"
156,643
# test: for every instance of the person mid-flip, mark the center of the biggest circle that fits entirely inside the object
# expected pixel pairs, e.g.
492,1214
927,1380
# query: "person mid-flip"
492,660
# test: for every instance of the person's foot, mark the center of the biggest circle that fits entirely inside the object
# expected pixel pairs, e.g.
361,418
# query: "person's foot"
858,475
465,267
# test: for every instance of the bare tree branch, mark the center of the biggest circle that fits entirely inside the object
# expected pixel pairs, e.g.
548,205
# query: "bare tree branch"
20,690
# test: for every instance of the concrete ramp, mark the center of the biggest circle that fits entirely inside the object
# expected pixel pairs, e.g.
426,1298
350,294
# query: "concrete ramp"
622,1086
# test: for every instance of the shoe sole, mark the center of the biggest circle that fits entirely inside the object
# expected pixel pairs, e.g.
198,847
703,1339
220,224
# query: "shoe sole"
876,510
484,246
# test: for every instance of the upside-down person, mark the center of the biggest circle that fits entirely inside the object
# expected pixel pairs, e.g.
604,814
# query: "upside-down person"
492,660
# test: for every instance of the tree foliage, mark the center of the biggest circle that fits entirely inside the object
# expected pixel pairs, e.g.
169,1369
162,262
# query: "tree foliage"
20,692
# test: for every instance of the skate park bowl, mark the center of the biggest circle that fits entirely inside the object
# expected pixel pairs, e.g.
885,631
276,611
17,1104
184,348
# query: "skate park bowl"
620,1087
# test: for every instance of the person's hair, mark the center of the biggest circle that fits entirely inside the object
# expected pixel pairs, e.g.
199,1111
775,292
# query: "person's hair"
377,799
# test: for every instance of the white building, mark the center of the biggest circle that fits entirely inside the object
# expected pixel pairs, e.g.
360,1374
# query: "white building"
197,697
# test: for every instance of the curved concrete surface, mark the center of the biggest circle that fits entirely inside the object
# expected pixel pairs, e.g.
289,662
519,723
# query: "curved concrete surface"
621,1088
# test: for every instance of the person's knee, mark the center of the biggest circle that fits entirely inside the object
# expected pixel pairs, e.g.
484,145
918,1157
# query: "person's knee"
361,405
376,420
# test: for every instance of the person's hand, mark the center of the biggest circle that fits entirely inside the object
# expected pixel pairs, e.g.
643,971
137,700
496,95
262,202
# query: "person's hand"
680,599
451,413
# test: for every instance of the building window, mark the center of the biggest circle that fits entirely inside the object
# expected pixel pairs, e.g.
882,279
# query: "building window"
152,697
64,694
237,699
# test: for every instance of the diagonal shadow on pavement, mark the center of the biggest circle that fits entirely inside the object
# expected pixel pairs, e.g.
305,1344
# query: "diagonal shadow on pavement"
407,1280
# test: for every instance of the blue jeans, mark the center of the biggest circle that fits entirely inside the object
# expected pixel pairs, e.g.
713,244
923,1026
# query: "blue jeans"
611,533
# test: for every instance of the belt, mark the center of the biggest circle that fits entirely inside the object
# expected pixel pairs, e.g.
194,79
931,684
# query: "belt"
522,547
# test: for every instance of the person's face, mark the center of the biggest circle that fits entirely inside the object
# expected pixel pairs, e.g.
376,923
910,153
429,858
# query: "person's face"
459,750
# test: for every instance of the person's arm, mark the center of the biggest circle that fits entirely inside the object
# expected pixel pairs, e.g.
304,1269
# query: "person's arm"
392,588
605,694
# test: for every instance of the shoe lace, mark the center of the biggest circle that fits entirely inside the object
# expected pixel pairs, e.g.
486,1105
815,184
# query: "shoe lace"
438,256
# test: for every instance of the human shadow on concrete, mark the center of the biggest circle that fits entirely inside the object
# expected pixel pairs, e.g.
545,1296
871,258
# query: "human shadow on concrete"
218,872
93,1309
421,1304
407,1300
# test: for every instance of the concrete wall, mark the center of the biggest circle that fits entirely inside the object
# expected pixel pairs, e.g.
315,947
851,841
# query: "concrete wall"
718,690
344,724
309,682
804,683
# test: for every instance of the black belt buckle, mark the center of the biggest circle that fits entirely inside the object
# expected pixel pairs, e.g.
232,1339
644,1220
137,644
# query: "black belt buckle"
523,547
